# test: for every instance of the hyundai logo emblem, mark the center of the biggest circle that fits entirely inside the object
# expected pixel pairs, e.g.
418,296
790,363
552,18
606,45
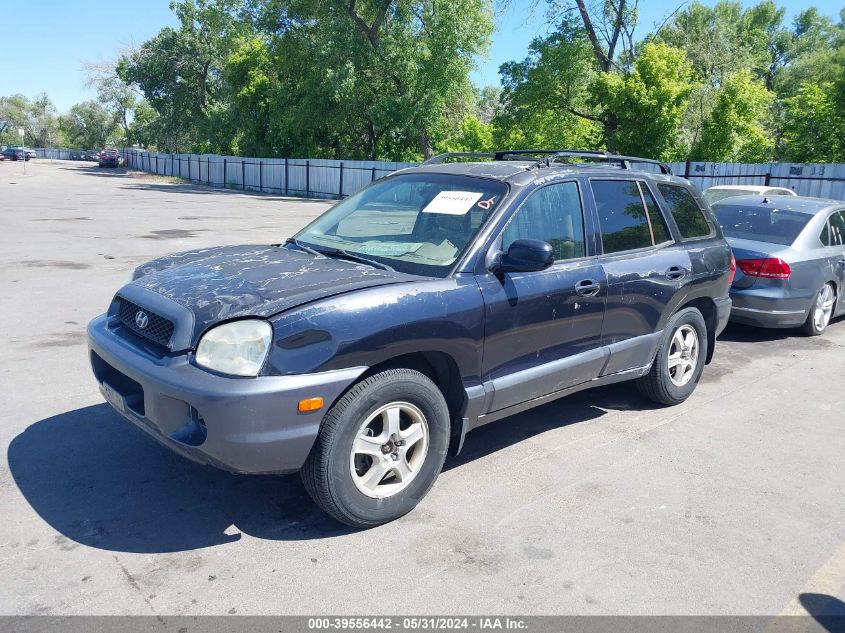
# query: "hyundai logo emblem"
142,319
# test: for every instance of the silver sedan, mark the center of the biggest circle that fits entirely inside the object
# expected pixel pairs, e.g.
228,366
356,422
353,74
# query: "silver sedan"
790,259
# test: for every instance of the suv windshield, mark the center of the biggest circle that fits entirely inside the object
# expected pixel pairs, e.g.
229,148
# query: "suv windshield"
414,223
762,224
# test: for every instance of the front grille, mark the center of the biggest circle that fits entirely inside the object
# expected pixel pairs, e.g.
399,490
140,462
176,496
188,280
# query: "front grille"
158,330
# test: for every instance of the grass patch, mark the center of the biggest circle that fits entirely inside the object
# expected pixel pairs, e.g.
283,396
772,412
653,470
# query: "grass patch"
147,177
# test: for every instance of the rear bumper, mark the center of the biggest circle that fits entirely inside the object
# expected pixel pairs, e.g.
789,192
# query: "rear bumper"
723,313
769,307
244,425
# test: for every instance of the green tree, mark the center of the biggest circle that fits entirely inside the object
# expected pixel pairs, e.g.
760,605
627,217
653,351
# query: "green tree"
179,72
473,136
814,125
37,117
648,103
545,96
724,38
489,103
90,125
816,40
738,128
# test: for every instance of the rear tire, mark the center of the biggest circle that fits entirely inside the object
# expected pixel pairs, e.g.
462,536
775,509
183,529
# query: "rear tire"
679,361
380,449
821,311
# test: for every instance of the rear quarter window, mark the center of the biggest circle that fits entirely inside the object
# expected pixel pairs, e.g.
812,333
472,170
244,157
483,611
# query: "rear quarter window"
688,215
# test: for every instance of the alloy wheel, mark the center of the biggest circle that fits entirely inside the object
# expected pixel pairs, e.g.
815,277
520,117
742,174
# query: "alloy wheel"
683,355
389,450
823,308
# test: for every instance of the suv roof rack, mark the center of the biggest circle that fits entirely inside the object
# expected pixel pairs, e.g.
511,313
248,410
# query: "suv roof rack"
442,158
550,156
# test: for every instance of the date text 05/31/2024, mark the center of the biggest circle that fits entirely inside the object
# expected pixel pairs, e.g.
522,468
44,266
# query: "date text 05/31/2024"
417,623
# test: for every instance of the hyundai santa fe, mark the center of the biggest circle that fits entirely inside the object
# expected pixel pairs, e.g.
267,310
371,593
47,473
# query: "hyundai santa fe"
361,350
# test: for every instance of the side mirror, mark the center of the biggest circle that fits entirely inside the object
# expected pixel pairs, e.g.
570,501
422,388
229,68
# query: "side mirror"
525,256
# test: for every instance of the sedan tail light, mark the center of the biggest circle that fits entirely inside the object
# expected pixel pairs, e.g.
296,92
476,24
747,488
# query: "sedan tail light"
733,270
770,268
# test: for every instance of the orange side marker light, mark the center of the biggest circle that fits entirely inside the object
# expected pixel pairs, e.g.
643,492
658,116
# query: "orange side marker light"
311,404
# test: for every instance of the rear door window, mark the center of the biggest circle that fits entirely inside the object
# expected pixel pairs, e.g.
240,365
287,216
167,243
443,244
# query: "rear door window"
551,214
688,215
623,219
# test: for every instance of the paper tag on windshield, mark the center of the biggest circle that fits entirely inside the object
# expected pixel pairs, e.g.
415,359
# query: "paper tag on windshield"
452,202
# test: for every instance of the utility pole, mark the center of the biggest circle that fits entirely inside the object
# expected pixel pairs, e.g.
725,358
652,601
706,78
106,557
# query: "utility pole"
20,132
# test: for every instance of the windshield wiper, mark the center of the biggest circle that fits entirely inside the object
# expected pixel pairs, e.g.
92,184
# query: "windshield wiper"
300,245
337,252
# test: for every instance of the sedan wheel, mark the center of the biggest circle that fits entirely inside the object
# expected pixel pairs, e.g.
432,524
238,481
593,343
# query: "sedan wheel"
821,311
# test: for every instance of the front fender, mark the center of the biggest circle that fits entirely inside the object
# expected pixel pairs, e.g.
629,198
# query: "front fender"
371,326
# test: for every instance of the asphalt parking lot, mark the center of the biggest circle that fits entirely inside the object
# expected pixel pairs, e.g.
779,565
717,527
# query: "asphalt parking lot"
731,503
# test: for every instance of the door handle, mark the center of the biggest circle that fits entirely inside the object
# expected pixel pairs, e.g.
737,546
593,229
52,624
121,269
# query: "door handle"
675,272
587,288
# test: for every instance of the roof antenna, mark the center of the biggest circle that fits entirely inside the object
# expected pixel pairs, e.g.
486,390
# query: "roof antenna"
766,200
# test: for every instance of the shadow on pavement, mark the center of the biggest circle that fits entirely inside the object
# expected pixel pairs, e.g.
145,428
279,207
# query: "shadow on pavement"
99,481
739,333
828,611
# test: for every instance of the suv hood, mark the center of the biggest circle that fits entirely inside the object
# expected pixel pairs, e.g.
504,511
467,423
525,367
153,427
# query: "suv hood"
227,282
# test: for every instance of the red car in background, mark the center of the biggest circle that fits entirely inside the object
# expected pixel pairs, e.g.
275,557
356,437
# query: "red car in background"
109,158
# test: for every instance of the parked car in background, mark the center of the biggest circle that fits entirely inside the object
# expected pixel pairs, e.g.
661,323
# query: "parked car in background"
720,192
92,155
30,153
790,255
437,299
15,153
109,158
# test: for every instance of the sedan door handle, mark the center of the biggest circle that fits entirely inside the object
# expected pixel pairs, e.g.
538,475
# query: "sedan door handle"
675,272
587,288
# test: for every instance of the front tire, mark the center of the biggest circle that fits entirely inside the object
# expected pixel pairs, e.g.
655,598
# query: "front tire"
680,359
821,310
380,449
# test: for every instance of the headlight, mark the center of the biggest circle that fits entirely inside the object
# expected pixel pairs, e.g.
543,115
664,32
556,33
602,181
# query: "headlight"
238,348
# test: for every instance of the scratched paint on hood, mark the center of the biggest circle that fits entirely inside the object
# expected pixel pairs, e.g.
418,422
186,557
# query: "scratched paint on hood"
254,280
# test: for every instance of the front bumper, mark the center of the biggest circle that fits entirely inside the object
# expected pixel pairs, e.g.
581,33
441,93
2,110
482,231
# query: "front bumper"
244,425
770,307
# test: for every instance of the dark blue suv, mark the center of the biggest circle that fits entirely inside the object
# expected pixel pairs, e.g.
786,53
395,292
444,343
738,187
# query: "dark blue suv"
440,298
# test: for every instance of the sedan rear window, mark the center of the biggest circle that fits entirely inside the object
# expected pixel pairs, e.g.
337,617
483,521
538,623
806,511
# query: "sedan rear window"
762,224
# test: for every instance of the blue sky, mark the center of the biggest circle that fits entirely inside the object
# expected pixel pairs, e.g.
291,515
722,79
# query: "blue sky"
46,42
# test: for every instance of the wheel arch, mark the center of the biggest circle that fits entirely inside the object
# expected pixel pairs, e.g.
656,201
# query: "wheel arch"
441,368
707,307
